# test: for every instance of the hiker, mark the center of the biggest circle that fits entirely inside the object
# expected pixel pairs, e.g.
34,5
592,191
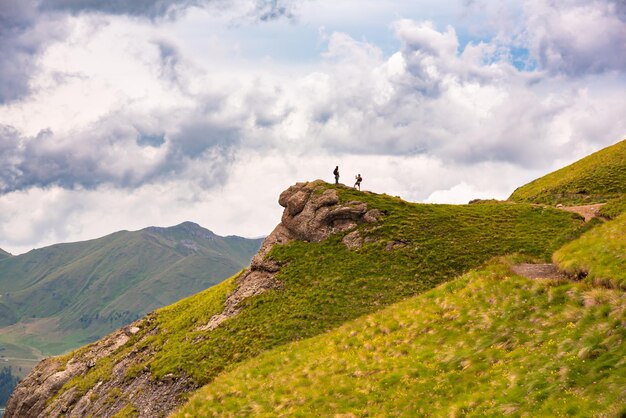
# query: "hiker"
336,173
359,179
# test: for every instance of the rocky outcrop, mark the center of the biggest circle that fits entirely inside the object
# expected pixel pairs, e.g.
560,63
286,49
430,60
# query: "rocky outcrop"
29,400
149,397
353,240
312,213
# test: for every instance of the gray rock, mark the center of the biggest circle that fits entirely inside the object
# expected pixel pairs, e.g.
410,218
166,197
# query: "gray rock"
353,240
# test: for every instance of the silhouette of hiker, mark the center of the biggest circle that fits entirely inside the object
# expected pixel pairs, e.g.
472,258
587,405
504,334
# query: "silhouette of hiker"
359,179
336,173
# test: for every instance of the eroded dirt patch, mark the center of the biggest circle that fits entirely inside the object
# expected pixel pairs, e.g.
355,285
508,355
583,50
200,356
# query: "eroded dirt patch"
539,271
586,211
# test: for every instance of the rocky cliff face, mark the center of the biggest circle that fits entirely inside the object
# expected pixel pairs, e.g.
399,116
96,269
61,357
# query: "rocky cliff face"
37,395
312,213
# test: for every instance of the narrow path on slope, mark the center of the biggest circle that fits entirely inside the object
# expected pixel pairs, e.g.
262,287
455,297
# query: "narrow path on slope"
587,211
538,271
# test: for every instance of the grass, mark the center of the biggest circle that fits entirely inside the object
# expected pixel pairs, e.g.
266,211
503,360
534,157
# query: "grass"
128,411
325,285
598,255
594,179
613,208
487,344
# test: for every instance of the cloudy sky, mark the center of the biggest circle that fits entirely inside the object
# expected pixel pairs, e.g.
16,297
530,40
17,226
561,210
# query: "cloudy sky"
122,114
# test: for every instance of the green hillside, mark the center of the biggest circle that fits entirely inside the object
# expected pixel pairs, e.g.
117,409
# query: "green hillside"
66,295
598,256
594,179
613,208
323,285
487,344
4,254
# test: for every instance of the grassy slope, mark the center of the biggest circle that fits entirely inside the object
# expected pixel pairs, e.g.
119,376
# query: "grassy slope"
7,316
66,295
613,208
597,178
487,344
325,284
599,254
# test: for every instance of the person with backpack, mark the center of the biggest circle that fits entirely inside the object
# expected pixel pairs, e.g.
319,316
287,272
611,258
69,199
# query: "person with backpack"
336,173
359,179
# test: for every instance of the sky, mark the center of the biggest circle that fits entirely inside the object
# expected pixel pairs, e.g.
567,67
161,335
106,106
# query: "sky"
125,114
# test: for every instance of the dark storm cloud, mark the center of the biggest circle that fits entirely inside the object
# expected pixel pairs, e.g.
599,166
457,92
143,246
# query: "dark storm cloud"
22,37
118,152
265,9
30,161
197,137
169,59
149,8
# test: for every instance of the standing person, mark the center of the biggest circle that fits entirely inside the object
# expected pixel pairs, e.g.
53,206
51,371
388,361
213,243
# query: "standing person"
336,173
359,179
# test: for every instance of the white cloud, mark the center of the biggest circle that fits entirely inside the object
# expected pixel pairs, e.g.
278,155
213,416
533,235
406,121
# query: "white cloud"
458,194
246,203
136,122
577,36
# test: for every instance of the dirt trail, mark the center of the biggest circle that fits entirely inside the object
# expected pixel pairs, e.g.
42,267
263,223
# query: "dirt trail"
587,211
538,271
550,271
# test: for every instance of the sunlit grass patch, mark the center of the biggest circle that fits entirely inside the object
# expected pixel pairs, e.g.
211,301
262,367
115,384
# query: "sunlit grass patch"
489,343
598,256
613,208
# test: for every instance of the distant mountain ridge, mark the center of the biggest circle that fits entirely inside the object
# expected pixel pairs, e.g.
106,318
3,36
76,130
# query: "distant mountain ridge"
83,290
4,254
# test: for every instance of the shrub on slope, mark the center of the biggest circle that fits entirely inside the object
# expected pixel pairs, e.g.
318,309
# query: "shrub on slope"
487,344
594,179
598,255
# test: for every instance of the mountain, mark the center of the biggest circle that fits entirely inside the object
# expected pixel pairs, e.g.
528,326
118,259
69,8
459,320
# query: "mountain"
596,178
4,254
337,255
489,343
63,296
